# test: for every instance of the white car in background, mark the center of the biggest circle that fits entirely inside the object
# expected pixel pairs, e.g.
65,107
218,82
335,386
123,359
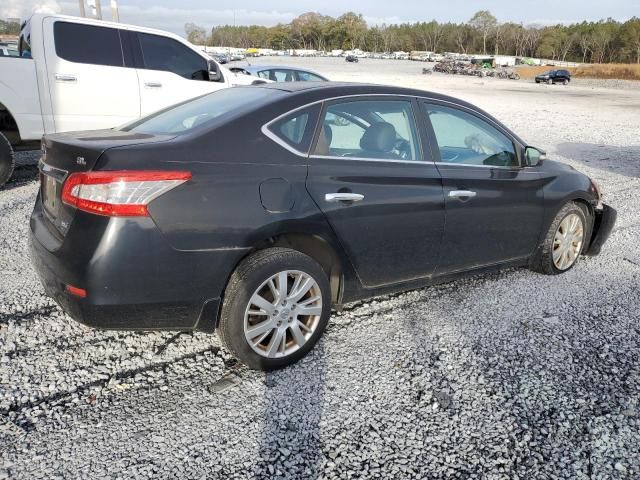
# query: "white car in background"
76,73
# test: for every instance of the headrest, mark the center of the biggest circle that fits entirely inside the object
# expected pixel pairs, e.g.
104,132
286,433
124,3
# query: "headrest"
328,133
379,137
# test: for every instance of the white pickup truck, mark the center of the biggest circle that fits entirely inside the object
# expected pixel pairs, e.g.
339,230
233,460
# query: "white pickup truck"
80,74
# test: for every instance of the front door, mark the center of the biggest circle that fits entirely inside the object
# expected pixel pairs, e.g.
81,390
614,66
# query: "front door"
494,206
381,195
171,72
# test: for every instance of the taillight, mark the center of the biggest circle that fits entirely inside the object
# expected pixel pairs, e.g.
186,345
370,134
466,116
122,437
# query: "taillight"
119,193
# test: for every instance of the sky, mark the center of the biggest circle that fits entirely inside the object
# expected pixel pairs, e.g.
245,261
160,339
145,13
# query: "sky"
173,14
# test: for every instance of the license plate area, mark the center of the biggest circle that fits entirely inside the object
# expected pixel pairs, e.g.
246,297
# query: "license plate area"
51,180
50,195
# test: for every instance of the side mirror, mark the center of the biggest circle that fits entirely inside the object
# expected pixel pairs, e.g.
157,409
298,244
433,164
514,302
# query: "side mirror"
215,75
533,156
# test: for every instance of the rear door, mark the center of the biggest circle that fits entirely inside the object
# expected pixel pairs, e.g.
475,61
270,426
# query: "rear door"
379,190
494,207
89,85
169,72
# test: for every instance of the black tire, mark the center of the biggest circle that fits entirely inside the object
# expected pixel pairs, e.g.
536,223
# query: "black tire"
245,280
542,260
7,160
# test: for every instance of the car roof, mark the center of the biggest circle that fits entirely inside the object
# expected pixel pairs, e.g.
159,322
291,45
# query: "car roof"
258,68
353,88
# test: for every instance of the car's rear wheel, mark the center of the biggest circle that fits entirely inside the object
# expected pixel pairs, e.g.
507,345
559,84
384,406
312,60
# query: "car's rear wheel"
564,241
276,306
550,81
7,162
565,82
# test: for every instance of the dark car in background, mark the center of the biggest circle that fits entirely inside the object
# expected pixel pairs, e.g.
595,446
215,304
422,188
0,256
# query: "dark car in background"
351,59
254,210
554,76
280,73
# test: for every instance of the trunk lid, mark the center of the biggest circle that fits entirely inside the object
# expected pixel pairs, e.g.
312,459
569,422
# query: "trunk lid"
67,153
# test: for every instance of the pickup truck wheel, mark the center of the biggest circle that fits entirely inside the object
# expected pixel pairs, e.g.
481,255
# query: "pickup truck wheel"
275,308
564,242
7,160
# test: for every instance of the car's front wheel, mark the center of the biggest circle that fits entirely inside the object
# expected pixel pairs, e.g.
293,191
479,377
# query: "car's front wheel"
564,241
276,307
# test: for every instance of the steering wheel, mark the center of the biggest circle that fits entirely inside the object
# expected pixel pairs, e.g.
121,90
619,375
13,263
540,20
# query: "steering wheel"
402,148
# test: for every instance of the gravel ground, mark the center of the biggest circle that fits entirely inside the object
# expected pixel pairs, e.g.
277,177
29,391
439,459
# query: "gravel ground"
509,375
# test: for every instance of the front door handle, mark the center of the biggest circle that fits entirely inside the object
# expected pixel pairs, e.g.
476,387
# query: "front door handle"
343,197
461,194
153,85
66,78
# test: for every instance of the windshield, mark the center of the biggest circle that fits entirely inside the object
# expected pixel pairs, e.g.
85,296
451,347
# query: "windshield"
193,113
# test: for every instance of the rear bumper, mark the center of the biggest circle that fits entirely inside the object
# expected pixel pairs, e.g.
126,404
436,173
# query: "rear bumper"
133,278
604,222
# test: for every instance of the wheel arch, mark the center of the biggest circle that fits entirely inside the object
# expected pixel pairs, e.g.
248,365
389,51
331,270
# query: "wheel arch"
318,248
9,125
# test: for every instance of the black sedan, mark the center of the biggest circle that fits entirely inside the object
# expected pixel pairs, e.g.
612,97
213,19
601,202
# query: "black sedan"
254,210
554,76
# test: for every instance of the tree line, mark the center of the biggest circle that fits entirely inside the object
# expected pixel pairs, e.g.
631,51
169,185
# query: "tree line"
604,41
9,28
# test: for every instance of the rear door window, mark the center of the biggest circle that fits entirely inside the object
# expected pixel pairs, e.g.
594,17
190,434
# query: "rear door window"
169,55
90,44
277,75
376,129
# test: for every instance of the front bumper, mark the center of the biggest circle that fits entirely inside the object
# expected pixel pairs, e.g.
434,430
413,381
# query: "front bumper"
133,277
604,221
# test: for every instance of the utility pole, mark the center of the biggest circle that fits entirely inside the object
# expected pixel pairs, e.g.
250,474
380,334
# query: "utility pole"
82,12
114,11
98,10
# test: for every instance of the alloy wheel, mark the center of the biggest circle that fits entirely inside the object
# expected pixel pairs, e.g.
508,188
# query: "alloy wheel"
283,313
567,242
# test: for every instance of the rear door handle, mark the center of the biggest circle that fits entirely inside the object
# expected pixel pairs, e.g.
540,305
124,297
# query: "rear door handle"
343,197
60,77
153,84
462,194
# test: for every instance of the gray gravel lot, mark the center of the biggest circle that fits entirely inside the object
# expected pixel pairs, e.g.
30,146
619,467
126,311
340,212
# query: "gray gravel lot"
509,375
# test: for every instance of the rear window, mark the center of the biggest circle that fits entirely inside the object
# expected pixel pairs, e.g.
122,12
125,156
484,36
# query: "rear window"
88,44
203,110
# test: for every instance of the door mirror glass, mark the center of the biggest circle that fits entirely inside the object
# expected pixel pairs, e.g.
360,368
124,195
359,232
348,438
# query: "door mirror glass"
214,72
533,156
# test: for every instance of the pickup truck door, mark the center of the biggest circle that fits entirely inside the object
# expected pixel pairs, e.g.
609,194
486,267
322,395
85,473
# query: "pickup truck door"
169,72
89,86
